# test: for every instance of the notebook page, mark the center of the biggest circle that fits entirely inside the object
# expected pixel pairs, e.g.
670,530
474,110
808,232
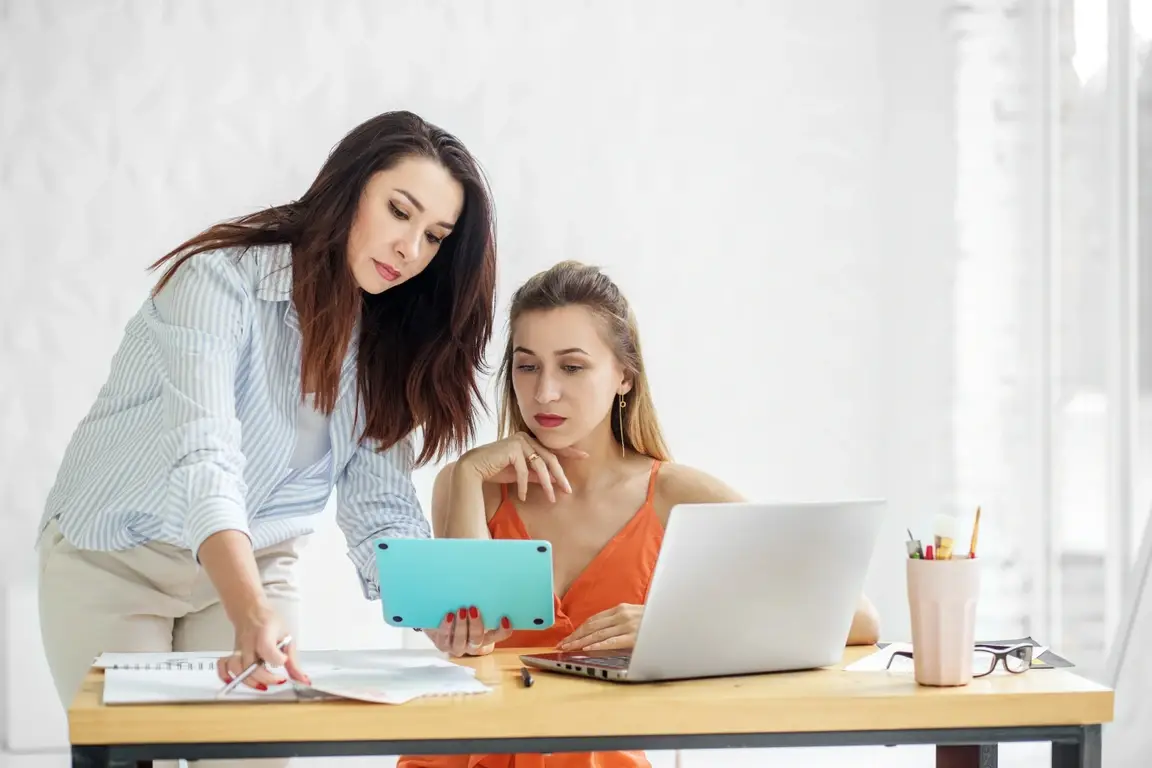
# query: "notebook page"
167,686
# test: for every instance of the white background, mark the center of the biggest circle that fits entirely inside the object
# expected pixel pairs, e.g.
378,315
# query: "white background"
774,184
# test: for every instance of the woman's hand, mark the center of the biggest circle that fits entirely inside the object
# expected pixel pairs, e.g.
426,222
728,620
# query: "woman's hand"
462,633
612,629
520,458
258,632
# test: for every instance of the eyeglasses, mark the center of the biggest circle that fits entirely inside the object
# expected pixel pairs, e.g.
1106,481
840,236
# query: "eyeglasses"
1016,658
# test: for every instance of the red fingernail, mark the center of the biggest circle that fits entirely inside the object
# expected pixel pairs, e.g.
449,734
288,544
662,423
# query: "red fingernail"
261,686
505,623
463,613
450,617
473,612
282,682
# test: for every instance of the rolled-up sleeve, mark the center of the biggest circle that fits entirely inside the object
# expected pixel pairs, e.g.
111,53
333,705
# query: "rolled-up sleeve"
375,498
199,322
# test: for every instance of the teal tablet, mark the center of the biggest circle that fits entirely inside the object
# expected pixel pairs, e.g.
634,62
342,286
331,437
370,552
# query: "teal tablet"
421,580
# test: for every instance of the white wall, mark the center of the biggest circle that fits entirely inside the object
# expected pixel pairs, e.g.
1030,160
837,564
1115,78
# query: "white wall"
759,177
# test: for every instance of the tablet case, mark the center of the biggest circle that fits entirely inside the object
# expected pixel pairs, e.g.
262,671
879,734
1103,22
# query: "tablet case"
421,580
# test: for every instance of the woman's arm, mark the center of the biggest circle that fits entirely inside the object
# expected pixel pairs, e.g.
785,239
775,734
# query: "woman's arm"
199,323
458,508
375,497
679,484
865,629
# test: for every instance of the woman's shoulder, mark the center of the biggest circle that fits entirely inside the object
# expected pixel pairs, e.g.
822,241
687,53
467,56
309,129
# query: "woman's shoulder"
682,484
242,270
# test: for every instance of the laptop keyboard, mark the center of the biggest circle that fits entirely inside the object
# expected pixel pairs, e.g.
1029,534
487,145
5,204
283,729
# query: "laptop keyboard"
613,660
616,662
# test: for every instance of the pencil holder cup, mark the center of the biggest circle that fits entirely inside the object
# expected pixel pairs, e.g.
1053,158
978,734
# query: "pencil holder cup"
942,597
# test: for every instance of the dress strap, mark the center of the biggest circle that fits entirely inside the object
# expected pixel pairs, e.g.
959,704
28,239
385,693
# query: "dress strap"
652,481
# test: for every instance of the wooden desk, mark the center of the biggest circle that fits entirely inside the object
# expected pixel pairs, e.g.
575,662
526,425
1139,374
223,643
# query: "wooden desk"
827,707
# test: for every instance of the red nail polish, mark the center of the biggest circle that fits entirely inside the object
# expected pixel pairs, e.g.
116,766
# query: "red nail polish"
282,682
473,612
505,623
261,686
451,616
463,613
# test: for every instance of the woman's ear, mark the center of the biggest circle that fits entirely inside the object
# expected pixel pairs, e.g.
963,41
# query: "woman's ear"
625,387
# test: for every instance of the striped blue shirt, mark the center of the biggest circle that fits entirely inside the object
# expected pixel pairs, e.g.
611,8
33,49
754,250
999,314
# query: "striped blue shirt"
194,429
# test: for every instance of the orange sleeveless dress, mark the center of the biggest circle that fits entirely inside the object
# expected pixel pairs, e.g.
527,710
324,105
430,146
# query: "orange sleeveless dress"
620,573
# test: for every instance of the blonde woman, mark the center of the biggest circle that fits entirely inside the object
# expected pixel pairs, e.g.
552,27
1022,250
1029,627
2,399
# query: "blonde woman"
583,465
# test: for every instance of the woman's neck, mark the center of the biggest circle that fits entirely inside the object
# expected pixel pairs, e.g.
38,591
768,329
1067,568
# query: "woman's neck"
602,464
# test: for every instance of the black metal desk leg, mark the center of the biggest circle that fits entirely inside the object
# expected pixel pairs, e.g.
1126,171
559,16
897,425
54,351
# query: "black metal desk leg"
966,756
101,757
1085,753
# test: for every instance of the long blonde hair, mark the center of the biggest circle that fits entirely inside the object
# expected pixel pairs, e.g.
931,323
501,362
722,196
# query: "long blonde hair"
571,283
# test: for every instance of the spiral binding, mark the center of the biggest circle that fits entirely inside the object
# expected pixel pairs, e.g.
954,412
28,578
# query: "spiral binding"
179,665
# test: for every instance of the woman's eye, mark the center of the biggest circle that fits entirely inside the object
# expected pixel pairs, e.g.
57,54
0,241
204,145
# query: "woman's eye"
433,239
397,212
573,368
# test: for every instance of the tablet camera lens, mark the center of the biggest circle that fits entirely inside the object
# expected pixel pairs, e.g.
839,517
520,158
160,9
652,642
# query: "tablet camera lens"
537,621
397,619
541,549
382,546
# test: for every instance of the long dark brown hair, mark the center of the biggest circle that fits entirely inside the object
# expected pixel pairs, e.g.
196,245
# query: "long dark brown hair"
571,283
422,343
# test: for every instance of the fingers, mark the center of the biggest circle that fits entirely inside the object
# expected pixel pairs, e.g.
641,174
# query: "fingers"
459,622
590,640
546,466
521,466
223,671
596,623
540,466
626,640
266,649
292,667
231,667
441,637
500,634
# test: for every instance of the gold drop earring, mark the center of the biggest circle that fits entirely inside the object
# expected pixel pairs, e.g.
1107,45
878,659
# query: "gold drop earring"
622,405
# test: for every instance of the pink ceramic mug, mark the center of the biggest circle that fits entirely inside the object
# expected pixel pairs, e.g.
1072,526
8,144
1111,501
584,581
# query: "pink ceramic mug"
942,596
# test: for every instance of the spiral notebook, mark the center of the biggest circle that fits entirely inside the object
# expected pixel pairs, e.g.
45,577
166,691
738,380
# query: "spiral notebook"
383,677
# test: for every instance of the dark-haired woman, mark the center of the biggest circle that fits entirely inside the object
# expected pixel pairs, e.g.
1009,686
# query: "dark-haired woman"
281,354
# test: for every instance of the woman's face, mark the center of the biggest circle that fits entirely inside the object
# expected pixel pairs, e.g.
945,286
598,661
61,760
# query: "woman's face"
404,214
566,378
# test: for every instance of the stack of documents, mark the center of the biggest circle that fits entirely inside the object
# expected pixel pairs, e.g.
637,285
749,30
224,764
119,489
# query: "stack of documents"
383,677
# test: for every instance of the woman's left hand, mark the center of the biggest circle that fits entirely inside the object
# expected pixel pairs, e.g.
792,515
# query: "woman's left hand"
608,630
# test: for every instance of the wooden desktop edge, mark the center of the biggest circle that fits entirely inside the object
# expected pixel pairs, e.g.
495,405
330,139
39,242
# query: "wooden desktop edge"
825,700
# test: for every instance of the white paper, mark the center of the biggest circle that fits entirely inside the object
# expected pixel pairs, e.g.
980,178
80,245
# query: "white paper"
385,677
169,686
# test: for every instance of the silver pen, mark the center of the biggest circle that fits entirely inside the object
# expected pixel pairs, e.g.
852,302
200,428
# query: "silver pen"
251,668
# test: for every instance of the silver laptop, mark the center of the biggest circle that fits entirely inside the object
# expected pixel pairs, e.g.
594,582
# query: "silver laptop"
743,588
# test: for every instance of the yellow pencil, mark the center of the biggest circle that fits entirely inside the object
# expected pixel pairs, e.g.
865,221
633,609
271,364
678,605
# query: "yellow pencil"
975,534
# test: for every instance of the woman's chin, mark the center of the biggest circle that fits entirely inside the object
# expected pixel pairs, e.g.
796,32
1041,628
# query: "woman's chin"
552,441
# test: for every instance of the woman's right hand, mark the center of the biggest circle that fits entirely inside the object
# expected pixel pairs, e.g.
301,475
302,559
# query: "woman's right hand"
462,633
520,458
258,633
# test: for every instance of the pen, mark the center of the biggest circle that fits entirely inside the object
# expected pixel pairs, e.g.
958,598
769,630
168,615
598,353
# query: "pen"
526,677
975,534
251,668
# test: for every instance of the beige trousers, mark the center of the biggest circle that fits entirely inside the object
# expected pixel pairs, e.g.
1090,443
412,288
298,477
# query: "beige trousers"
152,598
